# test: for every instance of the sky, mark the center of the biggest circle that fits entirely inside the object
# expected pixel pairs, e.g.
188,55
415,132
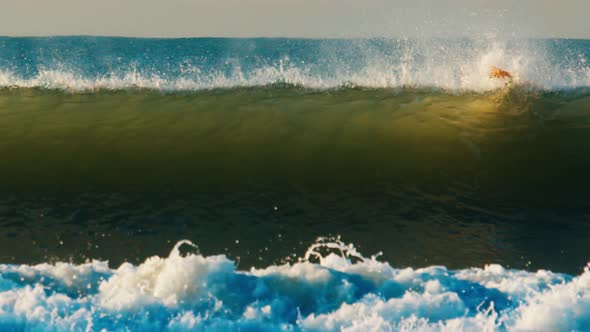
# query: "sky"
296,18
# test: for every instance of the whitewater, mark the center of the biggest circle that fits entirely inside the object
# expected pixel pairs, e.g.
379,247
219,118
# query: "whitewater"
341,291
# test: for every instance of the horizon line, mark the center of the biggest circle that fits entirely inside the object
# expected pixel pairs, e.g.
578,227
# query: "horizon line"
279,37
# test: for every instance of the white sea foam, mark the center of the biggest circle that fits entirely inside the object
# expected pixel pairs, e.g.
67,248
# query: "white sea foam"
342,291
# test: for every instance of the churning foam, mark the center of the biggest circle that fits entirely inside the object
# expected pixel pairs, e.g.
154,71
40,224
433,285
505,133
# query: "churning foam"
452,65
341,291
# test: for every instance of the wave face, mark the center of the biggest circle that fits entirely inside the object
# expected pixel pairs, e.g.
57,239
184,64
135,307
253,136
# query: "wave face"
427,177
84,63
342,291
507,142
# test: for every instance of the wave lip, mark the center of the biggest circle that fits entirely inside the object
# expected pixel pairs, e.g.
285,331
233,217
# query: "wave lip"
190,65
340,291
372,78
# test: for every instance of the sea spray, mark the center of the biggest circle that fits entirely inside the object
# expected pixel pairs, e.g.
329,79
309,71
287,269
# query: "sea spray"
86,63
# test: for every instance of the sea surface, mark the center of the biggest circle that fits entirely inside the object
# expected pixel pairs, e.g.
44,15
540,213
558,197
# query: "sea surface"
294,185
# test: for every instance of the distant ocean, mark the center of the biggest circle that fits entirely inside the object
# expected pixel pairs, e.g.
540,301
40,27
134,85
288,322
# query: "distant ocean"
294,185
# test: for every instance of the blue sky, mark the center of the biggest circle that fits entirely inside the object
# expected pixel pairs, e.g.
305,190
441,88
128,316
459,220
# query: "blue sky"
296,18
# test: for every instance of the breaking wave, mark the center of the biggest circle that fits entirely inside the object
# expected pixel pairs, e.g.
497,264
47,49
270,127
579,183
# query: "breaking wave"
471,152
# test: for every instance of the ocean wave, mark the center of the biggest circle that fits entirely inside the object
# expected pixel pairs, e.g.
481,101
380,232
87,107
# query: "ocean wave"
332,288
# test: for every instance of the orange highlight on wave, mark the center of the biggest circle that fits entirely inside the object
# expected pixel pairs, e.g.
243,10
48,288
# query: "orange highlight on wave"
496,72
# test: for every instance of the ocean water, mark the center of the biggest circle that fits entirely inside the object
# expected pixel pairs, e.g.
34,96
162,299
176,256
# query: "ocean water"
297,185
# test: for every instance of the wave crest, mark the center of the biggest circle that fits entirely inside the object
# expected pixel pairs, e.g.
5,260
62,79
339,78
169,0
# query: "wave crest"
445,64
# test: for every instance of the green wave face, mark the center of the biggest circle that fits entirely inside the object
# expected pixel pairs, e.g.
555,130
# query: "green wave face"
289,136
425,176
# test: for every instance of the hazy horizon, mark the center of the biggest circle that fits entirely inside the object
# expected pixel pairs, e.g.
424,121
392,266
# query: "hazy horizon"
297,19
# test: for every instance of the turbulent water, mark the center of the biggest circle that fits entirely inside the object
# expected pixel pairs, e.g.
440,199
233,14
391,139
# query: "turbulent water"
473,190
208,294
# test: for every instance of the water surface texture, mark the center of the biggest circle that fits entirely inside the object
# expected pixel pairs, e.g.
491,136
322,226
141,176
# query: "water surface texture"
113,150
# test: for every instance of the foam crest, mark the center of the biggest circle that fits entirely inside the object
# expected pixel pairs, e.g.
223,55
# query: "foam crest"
460,65
343,291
